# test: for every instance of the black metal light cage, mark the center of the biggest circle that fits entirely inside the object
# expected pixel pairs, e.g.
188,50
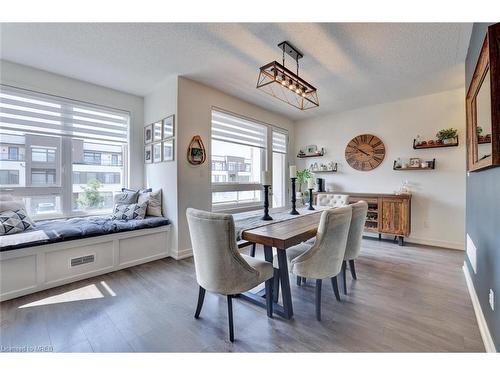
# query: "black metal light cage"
280,82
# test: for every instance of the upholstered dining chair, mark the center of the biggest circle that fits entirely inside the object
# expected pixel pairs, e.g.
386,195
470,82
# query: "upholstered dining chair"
332,200
323,258
220,268
353,247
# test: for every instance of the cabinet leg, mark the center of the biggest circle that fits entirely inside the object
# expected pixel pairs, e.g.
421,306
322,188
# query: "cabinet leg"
401,241
379,236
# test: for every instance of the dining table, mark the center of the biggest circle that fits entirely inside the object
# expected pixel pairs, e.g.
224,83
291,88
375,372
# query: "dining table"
281,233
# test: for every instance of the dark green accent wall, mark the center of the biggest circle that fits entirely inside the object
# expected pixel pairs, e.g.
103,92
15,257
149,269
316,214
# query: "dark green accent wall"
483,214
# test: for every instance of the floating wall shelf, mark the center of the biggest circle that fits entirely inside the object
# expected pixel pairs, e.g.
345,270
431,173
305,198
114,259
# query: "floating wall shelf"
325,170
432,165
418,147
315,155
484,142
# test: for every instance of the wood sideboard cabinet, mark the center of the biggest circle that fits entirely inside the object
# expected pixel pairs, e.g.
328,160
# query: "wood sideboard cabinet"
387,213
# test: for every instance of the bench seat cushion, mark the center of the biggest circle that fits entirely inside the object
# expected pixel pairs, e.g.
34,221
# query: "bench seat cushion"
75,228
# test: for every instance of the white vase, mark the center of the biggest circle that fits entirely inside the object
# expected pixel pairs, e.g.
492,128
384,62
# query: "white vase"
448,141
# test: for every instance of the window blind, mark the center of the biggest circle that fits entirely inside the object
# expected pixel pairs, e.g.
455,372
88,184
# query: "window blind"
279,142
33,112
229,128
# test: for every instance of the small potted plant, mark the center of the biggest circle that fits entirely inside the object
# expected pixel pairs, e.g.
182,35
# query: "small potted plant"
302,177
480,137
447,135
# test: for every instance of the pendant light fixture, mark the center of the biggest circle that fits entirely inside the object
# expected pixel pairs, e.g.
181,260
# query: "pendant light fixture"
278,81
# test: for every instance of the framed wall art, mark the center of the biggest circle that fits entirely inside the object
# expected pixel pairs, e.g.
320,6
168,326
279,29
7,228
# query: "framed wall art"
148,155
168,150
148,134
157,152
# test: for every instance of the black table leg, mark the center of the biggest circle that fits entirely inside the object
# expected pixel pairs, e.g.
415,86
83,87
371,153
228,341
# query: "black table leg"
268,253
285,284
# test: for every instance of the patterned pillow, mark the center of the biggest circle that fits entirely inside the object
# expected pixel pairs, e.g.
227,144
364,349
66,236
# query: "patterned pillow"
129,211
14,221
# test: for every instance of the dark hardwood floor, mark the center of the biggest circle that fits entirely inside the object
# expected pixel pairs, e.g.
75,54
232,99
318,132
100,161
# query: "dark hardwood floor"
406,299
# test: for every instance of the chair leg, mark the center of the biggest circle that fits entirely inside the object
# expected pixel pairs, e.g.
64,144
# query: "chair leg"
201,298
353,269
252,252
269,297
299,279
276,286
335,286
230,316
318,299
344,266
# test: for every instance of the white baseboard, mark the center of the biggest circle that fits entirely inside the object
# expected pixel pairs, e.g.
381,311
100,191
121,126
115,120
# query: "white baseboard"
437,243
182,254
489,345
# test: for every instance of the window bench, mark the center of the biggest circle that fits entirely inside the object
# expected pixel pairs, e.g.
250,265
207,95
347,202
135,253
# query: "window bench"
58,252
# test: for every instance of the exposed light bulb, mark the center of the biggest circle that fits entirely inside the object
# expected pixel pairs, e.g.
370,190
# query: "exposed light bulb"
298,91
303,94
292,86
283,83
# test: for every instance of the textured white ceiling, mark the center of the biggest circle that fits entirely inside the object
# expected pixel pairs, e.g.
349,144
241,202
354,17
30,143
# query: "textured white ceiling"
351,64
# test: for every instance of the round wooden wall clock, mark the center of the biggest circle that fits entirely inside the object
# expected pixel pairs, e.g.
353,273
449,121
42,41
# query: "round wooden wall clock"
365,152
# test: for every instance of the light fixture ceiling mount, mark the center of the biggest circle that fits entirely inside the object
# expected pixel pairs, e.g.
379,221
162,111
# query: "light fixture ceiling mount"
280,82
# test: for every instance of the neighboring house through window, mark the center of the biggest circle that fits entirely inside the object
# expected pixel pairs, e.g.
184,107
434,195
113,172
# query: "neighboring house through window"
57,134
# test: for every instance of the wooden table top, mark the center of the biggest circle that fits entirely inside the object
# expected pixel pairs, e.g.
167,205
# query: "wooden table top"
285,233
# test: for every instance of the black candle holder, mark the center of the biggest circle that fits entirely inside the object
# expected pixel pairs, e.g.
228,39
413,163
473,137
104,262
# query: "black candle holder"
266,216
294,198
310,200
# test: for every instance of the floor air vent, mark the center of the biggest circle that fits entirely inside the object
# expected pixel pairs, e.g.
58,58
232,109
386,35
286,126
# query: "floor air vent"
82,260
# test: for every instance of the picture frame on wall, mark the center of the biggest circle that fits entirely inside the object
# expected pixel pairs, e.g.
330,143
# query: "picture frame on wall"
157,131
148,155
157,152
148,133
168,127
168,150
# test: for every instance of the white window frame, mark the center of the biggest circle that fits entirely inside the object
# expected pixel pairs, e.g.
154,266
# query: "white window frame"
266,162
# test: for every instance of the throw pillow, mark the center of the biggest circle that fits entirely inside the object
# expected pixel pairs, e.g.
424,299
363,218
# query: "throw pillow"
14,222
12,205
127,197
129,211
153,200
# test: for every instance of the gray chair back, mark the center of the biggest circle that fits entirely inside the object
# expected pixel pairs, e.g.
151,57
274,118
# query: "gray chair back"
353,247
324,258
219,266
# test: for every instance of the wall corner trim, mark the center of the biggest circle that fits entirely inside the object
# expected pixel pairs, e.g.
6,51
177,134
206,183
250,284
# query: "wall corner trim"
489,345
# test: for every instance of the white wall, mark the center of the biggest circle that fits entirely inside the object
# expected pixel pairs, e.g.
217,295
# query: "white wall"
39,80
161,103
195,102
438,204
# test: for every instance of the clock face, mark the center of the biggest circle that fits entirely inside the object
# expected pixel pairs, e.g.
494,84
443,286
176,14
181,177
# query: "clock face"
365,152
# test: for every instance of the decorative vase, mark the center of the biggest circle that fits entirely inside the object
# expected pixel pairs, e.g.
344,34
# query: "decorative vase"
447,141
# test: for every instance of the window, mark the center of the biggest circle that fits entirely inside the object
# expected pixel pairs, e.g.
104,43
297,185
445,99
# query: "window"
9,177
43,155
43,177
58,134
13,153
279,186
92,157
240,153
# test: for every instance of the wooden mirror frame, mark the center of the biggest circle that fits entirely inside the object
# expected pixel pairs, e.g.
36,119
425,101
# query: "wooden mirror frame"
489,59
